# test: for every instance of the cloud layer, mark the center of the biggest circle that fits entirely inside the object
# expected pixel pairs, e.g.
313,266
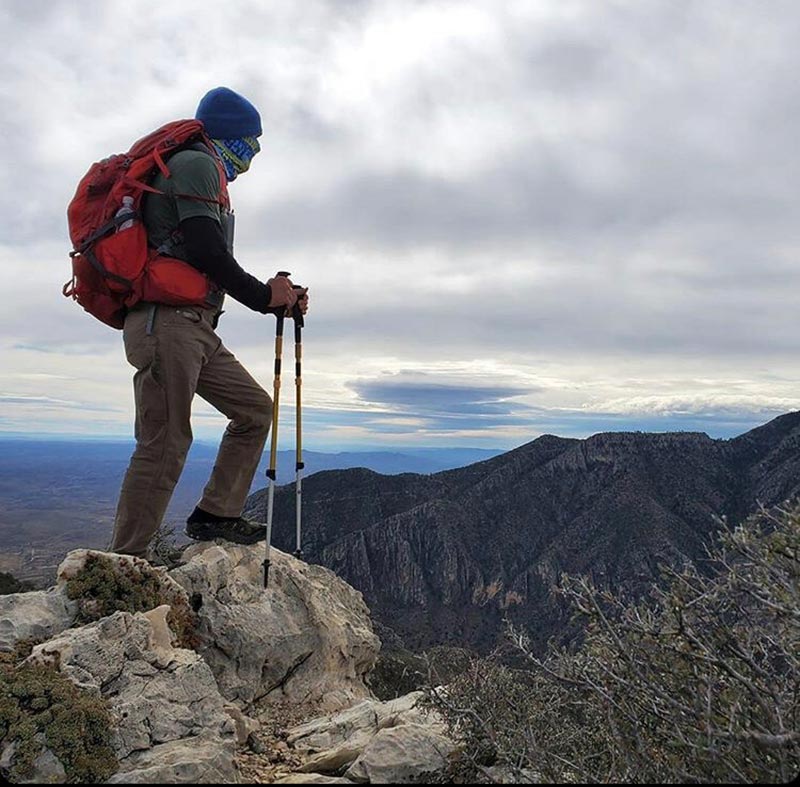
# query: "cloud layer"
514,218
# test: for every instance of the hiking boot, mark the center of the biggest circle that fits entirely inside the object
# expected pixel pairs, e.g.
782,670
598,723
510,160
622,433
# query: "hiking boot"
203,526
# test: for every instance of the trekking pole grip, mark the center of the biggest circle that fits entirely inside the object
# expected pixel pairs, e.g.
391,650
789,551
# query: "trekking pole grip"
297,315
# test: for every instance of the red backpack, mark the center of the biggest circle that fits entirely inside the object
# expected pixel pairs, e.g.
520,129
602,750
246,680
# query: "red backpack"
113,268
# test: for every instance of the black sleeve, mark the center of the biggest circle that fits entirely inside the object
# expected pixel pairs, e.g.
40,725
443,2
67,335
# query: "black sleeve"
206,251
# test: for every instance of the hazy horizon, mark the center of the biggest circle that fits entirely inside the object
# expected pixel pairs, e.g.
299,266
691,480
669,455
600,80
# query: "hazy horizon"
714,431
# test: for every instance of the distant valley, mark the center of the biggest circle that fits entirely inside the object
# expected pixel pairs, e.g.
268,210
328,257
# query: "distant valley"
57,495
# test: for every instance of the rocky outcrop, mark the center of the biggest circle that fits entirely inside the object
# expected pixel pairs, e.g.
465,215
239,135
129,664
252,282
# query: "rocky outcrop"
395,742
445,558
34,616
308,638
170,722
178,713
401,755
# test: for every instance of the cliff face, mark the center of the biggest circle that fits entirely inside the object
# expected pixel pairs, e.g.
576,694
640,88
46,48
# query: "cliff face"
446,557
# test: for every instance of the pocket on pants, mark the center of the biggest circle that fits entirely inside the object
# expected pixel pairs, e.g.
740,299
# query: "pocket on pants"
140,349
151,401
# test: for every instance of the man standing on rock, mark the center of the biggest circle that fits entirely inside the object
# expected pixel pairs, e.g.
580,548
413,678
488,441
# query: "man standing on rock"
177,353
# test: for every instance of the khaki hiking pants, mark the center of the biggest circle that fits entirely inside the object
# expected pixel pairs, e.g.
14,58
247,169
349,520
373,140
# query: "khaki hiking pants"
176,354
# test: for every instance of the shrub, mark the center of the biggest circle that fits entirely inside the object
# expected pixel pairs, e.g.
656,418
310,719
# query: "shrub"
104,586
41,707
10,584
700,682
399,671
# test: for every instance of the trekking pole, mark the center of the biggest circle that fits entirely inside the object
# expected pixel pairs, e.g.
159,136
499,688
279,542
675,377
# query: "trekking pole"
297,314
273,453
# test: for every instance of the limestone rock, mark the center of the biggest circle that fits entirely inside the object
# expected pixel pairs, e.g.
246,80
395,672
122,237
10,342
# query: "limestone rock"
200,760
164,700
308,638
401,755
176,713
37,615
48,769
338,758
355,738
245,726
369,717
407,710
42,614
328,732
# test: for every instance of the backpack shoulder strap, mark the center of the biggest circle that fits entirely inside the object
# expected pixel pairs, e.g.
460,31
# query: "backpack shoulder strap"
222,198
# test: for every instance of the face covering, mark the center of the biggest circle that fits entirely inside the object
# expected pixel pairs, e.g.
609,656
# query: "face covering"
236,154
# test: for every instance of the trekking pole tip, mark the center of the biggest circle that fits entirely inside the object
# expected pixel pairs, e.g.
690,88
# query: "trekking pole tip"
266,565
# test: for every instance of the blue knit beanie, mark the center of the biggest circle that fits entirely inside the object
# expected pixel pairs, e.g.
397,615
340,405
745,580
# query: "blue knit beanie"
226,115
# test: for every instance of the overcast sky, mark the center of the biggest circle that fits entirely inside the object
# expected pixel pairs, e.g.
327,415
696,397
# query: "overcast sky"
515,218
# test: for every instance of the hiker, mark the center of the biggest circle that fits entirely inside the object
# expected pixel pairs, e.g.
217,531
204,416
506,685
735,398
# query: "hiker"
176,351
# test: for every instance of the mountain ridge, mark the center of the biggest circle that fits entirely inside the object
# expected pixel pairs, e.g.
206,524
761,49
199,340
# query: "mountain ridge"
444,557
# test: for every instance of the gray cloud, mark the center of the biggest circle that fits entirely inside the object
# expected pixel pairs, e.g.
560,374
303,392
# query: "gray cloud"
660,129
419,397
589,181
470,407
415,402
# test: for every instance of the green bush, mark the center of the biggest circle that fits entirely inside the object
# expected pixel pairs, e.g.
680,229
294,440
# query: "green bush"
104,586
699,683
40,707
10,584
38,704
